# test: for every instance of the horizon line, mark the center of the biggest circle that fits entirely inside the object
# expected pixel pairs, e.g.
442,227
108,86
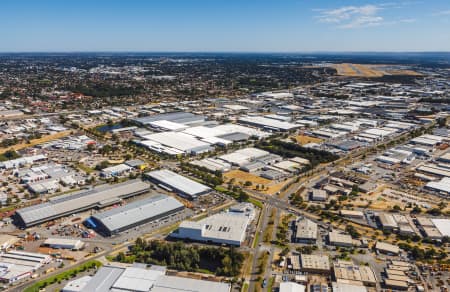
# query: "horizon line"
220,52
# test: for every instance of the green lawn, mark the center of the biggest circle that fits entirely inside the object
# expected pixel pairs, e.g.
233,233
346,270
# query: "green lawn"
256,203
255,240
221,189
84,168
270,283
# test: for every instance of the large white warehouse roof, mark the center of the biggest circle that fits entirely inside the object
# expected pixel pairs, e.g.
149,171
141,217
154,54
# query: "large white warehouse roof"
178,182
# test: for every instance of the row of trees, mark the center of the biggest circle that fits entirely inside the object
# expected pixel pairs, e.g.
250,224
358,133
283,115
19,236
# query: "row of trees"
222,261
14,141
106,90
290,150
419,254
235,192
9,155
211,179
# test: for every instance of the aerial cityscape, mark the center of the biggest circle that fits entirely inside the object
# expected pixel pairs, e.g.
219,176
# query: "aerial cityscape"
216,164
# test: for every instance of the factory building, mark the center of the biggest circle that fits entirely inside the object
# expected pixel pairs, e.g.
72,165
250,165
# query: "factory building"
386,248
387,222
134,214
337,238
306,231
223,228
17,265
348,271
98,197
345,287
116,170
291,287
213,164
184,118
64,243
318,195
138,278
244,156
315,263
22,161
171,181
268,123
442,186
178,142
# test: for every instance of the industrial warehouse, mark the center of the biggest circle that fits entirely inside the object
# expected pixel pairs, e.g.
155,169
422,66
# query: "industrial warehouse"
171,181
181,133
224,228
17,265
97,197
134,214
141,279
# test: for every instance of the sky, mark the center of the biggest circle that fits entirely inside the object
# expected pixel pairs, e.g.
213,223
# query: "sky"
224,25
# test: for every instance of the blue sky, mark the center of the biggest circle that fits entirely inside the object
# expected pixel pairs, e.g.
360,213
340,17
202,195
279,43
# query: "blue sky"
224,25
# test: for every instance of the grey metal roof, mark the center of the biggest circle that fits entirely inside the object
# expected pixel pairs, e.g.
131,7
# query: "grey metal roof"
114,278
137,279
137,211
235,137
134,162
104,279
178,182
176,117
83,200
174,284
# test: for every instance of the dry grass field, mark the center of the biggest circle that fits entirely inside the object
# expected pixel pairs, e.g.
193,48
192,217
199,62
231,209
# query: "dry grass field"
303,139
268,187
404,72
357,70
242,177
360,70
34,142
275,188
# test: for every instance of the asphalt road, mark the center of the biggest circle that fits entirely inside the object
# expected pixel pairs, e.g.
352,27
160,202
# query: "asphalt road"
259,249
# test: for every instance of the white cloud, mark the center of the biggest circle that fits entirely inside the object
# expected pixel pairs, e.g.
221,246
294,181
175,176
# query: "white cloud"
442,13
363,21
348,17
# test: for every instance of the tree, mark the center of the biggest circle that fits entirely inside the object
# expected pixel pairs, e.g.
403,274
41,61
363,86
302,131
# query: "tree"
90,147
120,257
103,164
416,210
396,208
243,196
9,154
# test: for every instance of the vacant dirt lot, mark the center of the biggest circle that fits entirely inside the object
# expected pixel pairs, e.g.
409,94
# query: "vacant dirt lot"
303,139
266,186
242,176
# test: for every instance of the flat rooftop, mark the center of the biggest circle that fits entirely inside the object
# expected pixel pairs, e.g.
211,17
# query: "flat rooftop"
139,279
138,211
315,262
79,201
217,228
178,182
